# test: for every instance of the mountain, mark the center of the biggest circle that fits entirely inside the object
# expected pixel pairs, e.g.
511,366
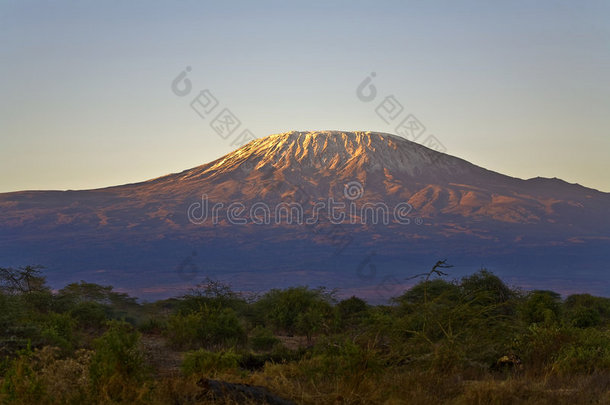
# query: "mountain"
359,211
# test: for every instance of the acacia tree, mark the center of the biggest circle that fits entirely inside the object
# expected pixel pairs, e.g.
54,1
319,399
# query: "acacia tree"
458,322
23,280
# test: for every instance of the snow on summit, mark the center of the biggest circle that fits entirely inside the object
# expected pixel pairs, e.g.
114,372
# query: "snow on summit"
340,151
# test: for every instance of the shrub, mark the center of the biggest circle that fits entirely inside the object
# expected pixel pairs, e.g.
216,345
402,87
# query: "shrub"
204,362
14,334
279,354
588,352
583,317
22,383
350,312
208,328
262,339
117,367
342,358
539,345
66,379
541,307
436,290
313,319
295,310
152,325
89,314
61,380
211,294
584,310
43,377
58,330
183,330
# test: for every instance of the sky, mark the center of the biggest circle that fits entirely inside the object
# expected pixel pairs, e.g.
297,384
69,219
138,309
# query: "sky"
520,87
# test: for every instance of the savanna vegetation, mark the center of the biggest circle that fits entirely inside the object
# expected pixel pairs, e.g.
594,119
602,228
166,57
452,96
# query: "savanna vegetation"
469,341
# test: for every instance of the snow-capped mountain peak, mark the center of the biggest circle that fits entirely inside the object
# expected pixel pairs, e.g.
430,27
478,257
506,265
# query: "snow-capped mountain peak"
340,151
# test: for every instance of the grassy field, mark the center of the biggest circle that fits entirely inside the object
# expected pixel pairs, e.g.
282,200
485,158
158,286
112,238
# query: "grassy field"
468,341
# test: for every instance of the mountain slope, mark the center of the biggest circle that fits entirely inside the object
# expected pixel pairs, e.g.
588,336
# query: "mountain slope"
457,210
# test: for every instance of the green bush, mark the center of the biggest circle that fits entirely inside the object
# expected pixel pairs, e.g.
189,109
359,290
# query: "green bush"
43,377
436,290
208,363
211,294
117,366
588,352
208,328
152,325
583,317
14,331
262,339
350,312
296,310
58,330
22,384
585,310
343,358
183,331
439,342
540,344
89,315
541,307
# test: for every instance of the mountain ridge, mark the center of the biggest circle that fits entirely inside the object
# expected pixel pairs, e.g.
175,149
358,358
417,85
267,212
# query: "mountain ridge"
222,159
458,210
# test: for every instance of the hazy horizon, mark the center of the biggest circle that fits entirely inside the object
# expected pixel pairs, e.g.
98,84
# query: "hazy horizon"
521,89
218,157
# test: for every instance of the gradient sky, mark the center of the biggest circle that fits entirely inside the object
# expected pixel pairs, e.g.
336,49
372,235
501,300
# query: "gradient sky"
521,87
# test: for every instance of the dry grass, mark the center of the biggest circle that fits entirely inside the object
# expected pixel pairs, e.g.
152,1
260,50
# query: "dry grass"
64,381
408,387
